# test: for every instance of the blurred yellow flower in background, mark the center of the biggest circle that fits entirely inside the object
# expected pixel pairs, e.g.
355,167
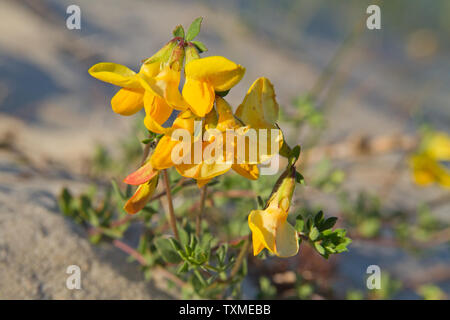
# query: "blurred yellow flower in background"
427,165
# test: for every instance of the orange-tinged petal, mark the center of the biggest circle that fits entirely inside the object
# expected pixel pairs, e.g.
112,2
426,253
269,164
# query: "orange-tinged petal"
128,101
162,156
249,171
218,71
142,175
201,183
142,195
199,95
116,74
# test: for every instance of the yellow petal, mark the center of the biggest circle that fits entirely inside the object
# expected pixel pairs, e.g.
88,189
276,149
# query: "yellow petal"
439,146
203,171
259,108
249,171
116,74
128,101
258,245
226,118
162,156
165,85
157,111
286,240
201,183
218,71
199,95
257,221
427,170
142,195
270,228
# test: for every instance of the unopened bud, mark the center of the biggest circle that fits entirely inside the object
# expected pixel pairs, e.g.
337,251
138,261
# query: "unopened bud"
283,191
191,53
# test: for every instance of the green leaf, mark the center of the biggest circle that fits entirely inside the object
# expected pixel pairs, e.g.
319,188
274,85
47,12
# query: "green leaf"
260,202
178,31
299,178
314,233
318,218
200,46
183,268
328,224
194,29
308,224
319,248
65,202
175,244
222,253
222,93
299,223
184,236
165,249
285,150
294,154
200,278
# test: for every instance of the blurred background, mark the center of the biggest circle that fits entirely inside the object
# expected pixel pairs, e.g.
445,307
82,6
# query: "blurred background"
357,100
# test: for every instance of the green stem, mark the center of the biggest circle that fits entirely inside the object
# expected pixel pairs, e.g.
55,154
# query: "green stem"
172,219
198,222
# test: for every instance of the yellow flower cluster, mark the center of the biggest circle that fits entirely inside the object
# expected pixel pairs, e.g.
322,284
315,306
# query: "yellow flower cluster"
155,88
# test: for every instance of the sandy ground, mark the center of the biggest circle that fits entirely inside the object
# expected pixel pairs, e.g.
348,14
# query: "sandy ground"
55,113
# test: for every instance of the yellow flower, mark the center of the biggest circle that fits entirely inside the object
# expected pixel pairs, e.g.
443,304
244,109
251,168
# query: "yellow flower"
259,109
426,164
204,77
269,227
146,178
221,119
155,86
162,155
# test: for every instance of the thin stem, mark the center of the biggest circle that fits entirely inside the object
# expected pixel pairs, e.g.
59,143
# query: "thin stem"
240,258
198,222
172,219
145,153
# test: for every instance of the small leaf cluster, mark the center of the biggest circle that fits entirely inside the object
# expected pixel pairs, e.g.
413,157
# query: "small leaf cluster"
83,211
319,233
201,261
193,31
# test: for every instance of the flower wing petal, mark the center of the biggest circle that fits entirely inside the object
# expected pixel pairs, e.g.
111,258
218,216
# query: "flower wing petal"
220,72
142,195
259,108
116,74
128,101
199,95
